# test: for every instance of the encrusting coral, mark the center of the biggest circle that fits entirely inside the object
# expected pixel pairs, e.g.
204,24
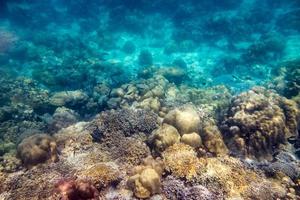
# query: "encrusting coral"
37,149
259,122
145,179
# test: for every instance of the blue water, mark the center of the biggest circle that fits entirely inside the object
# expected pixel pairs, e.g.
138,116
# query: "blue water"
74,45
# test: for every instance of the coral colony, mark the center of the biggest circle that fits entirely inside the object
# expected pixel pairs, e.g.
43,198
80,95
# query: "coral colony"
158,100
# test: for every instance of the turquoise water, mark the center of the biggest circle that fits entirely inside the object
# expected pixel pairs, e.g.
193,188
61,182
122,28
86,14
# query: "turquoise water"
64,62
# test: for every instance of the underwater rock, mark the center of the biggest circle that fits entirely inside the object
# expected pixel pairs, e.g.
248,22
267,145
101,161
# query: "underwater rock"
145,58
269,47
259,122
62,118
37,149
69,98
145,179
173,74
8,39
163,137
129,47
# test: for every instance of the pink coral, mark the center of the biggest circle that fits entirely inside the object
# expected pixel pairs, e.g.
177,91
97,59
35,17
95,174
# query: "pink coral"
76,190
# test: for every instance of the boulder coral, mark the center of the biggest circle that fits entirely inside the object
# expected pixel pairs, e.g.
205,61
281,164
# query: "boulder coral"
37,149
197,129
259,122
163,137
185,119
145,179
192,139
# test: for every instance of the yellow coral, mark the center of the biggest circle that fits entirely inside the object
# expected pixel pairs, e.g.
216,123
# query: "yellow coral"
101,174
181,160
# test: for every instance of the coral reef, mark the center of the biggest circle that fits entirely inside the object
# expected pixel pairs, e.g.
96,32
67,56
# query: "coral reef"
259,122
37,149
127,100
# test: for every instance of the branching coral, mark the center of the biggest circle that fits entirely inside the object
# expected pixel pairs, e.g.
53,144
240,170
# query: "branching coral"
145,179
37,149
258,122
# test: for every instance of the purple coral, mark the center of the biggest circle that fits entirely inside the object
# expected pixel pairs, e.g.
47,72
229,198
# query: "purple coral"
176,189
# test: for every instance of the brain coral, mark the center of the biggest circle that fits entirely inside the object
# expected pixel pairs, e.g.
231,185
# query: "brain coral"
37,149
258,122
